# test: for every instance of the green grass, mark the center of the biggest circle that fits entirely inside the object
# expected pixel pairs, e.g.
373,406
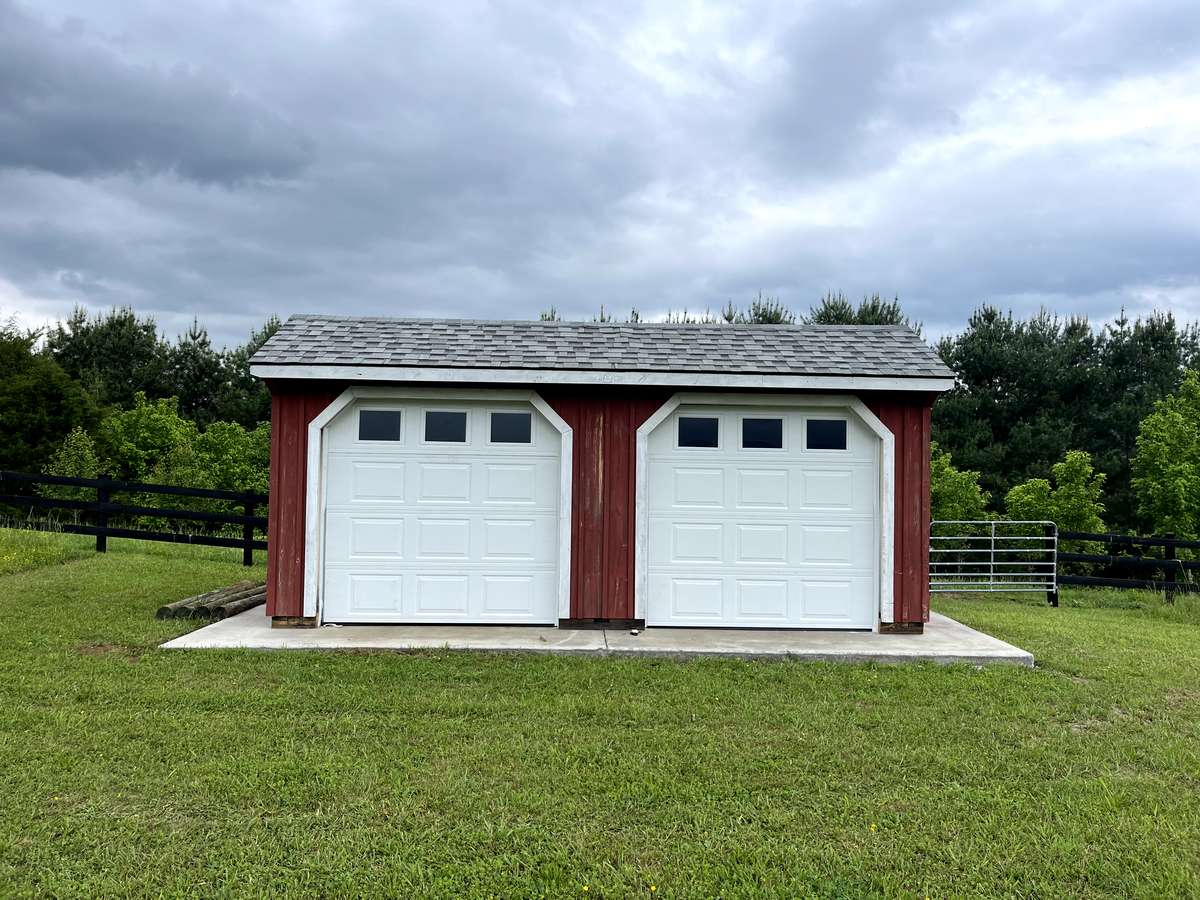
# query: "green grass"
127,771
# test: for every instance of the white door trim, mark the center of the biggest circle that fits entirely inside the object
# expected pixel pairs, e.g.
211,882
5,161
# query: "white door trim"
887,483
315,490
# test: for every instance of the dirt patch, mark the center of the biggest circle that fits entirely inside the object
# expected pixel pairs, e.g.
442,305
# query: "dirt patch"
97,649
1181,698
1078,679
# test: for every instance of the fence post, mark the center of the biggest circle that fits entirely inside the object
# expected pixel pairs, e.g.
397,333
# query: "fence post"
1169,554
248,533
1051,544
102,517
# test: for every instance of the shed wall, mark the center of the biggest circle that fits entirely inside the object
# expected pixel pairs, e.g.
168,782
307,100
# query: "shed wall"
605,423
293,406
907,416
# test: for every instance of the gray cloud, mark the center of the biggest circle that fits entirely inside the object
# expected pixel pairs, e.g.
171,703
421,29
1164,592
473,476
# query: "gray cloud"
492,160
71,106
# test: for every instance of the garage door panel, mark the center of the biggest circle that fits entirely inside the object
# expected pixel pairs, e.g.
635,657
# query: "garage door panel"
366,481
417,532
837,601
764,537
442,596
688,487
444,482
696,598
509,595
697,542
851,545
366,596
762,544
762,600
763,488
513,483
376,537
374,593
515,538
851,489
443,538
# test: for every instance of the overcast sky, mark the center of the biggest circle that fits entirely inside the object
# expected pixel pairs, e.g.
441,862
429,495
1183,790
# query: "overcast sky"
232,160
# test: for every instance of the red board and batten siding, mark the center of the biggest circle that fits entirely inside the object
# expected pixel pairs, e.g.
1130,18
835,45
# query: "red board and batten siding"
293,406
605,423
907,417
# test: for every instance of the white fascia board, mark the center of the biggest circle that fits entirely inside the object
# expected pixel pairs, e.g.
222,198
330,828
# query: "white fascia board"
314,537
600,377
887,483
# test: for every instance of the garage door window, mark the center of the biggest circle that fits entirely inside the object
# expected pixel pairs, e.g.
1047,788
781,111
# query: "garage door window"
512,428
379,424
826,434
762,434
446,427
695,431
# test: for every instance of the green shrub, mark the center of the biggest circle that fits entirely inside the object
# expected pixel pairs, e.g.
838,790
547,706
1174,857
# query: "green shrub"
954,495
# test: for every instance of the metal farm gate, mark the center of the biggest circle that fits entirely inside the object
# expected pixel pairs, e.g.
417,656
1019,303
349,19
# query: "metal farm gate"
993,556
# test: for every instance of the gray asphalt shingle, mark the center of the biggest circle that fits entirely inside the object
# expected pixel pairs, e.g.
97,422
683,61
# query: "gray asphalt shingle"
883,350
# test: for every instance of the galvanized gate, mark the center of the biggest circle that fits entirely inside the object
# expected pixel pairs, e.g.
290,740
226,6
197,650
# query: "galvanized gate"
993,556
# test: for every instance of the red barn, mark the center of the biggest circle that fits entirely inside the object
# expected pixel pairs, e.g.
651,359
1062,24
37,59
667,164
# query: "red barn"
548,472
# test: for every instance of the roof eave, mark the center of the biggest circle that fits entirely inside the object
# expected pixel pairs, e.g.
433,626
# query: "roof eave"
434,375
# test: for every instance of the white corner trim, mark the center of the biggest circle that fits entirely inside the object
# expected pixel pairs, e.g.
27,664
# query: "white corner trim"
887,511
429,374
315,478
887,483
566,471
641,508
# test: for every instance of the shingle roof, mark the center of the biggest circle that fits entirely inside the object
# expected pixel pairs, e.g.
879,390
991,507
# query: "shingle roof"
879,350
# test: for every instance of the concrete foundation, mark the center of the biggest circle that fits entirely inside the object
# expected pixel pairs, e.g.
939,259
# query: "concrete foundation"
943,641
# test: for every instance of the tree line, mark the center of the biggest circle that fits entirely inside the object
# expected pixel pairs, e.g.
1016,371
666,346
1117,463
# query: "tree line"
109,394
1050,416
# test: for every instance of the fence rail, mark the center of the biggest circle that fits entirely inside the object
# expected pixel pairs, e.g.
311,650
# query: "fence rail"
102,508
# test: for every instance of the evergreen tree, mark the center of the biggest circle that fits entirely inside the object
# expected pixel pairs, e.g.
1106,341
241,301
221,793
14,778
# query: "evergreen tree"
1031,390
835,309
196,375
114,355
243,398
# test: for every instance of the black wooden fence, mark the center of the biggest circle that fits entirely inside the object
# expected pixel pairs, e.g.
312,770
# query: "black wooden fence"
101,508
1128,557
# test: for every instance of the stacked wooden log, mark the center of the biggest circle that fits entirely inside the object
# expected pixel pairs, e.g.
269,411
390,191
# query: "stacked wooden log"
218,604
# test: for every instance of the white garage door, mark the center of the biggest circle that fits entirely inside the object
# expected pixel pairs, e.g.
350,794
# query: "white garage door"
441,512
764,518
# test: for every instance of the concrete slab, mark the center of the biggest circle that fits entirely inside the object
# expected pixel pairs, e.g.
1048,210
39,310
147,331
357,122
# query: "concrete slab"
252,630
944,641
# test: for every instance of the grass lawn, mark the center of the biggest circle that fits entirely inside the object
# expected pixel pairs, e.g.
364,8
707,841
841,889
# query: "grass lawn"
127,771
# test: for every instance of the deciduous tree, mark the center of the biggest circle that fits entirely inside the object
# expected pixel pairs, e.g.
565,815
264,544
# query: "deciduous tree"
1167,462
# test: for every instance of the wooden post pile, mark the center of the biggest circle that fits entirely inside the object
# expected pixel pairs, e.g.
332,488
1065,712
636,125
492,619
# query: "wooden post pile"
218,604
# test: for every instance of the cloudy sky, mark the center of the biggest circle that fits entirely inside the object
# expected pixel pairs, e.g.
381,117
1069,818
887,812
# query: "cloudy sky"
464,158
